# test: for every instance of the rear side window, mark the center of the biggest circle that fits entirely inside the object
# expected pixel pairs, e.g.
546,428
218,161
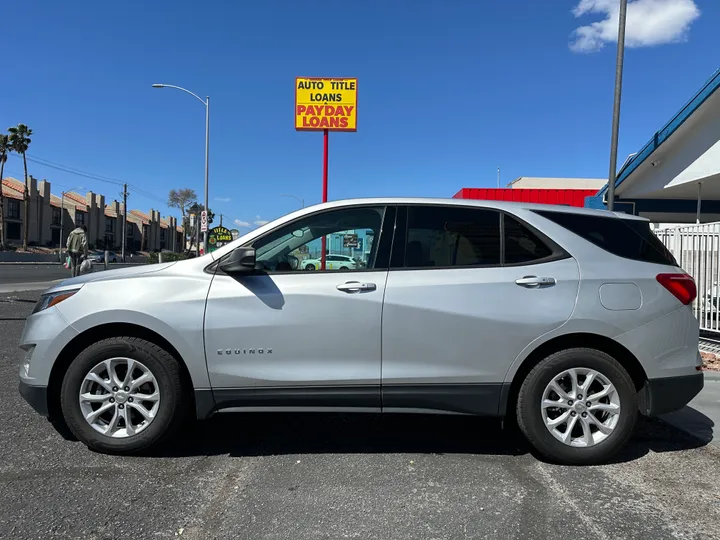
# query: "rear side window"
445,237
628,238
521,244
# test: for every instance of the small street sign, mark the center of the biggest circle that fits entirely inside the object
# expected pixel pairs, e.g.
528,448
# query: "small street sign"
203,221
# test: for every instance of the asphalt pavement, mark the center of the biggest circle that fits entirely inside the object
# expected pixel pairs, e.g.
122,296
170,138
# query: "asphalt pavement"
332,476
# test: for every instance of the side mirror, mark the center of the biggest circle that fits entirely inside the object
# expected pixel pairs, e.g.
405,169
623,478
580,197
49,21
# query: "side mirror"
240,261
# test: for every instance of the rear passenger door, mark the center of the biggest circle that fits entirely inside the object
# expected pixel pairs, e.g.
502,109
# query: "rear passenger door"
468,289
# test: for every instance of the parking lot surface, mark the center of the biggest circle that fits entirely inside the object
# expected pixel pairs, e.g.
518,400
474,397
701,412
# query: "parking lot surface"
271,476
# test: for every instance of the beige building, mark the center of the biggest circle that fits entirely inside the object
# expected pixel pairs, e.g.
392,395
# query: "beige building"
52,217
531,182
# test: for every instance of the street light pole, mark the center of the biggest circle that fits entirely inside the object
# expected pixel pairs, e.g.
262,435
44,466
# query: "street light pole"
302,201
616,106
205,102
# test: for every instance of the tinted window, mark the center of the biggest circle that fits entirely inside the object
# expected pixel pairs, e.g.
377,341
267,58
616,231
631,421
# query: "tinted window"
442,236
521,244
628,238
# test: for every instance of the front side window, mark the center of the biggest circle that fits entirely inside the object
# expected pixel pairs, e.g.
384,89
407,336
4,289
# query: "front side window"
298,246
442,237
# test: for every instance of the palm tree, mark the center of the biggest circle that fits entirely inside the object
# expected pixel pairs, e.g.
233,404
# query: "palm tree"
20,142
4,150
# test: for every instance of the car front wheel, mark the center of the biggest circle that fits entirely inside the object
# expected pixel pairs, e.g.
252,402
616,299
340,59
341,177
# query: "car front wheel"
123,395
577,407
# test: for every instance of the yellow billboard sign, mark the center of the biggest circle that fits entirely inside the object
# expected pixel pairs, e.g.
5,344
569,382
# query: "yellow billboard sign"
325,104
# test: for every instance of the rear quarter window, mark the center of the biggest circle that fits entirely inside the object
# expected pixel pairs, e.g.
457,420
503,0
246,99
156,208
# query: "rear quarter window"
627,238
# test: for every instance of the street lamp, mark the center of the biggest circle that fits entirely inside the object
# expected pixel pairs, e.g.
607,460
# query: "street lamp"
205,102
302,201
62,215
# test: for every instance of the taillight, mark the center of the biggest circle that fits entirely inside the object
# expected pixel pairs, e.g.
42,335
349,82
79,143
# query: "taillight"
682,286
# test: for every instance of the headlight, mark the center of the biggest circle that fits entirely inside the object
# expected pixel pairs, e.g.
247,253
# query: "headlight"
52,299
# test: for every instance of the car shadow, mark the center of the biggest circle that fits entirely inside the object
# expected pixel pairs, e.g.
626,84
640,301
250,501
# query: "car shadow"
693,421
266,434
264,288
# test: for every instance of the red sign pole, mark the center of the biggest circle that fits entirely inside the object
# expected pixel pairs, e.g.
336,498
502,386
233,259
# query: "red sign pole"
325,187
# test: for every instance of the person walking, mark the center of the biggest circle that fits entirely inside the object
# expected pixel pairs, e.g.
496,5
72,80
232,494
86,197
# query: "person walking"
77,247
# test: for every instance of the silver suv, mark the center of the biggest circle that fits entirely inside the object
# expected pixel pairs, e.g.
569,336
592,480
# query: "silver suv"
569,321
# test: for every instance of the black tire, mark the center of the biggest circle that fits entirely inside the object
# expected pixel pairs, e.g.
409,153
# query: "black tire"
310,267
532,425
172,410
343,268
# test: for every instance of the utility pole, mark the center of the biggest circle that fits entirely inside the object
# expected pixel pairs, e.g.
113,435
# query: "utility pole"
124,220
616,106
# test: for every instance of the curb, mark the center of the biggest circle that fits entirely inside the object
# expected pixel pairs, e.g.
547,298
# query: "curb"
711,375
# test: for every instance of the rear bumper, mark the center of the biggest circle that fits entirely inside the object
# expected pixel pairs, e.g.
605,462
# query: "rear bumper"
660,396
36,396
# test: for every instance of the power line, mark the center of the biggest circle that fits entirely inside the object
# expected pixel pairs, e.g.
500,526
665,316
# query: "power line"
93,176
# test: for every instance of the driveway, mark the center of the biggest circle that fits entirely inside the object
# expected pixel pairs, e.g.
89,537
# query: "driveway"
325,476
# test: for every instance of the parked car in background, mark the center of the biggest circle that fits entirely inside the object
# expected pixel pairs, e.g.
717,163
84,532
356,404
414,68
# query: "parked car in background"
98,256
332,262
568,322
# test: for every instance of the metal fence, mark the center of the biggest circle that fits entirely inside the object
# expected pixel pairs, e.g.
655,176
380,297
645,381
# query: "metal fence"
697,250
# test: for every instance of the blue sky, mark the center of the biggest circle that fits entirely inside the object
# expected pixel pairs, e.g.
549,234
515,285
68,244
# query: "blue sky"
448,91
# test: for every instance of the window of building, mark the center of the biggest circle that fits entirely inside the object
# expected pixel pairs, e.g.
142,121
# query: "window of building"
13,209
440,237
521,244
79,219
130,230
628,238
56,216
109,224
162,235
13,230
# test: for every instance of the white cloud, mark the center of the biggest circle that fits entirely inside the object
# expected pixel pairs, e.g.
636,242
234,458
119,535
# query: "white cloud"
241,223
223,199
261,222
649,23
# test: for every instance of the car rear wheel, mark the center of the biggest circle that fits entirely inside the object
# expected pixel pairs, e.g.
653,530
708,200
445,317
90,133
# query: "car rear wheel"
123,395
577,407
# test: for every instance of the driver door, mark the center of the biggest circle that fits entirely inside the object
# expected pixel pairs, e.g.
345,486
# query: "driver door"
293,338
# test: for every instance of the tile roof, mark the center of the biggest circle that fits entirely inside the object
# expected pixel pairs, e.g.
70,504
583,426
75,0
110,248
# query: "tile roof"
12,189
57,203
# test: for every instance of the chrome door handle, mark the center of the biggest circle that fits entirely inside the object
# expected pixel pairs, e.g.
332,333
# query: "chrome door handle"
356,286
534,281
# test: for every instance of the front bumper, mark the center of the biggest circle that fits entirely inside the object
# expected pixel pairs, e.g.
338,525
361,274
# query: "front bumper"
660,396
36,396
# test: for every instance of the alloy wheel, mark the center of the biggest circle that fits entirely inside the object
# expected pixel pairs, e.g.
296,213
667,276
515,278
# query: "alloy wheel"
580,407
119,397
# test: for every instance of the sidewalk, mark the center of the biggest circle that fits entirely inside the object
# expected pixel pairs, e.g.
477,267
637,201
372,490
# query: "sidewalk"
701,417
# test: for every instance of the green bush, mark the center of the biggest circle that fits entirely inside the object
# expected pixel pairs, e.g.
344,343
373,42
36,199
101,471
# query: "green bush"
167,257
